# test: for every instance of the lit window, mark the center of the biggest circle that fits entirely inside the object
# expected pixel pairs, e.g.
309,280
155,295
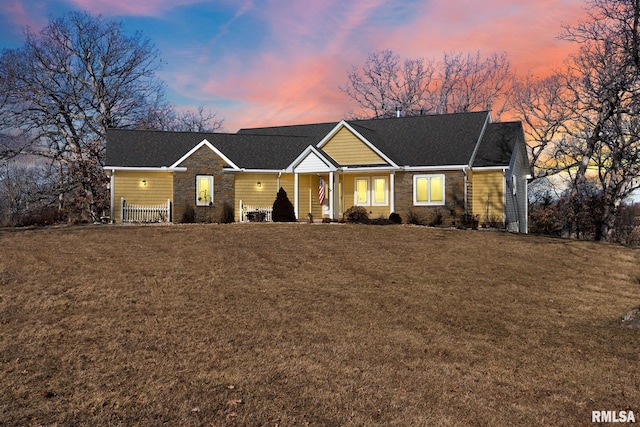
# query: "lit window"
361,191
428,190
380,191
370,191
204,190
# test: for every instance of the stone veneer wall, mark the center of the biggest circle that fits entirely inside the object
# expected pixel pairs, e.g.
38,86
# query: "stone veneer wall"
202,162
452,211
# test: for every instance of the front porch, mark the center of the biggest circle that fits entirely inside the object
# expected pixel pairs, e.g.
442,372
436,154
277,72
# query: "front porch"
330,194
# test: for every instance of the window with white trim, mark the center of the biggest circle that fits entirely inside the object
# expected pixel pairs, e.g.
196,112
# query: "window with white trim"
379,192
361,192
371,191
428,190
204,190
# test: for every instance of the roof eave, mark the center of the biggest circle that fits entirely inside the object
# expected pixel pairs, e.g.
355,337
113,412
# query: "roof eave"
145,168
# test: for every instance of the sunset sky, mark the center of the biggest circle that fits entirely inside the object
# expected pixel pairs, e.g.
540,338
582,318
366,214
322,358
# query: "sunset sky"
271,62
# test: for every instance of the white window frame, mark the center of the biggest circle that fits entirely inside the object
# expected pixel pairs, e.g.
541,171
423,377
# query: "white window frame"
428,202
370,193
386,191
367,193
205,202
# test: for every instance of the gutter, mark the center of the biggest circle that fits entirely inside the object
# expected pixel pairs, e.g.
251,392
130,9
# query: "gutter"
144,169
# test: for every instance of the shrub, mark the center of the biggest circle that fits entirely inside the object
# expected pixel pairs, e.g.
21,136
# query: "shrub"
395,218
415,218
41,216
256,216
283,210
189,215
436,218
469,221
356,214
381,220
226,213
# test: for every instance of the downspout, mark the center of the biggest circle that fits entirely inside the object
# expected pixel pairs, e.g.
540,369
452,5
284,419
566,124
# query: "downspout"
279,173
392,192
331,194
296,198
112,183
504,201
466,191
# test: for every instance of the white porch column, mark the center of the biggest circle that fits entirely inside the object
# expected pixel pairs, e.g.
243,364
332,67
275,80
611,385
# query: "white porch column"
331,196
296,198
112,190
392,192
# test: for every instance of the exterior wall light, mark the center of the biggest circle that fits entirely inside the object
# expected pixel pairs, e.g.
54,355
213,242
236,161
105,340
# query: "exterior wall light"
259,184
144,182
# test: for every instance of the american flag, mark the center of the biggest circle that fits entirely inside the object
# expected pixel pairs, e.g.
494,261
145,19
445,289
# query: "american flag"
321,191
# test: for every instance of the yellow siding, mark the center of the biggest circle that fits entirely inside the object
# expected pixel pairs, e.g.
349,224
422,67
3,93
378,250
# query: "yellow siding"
487,195
346,149
129,185
348,186
308,197
247,190
308,186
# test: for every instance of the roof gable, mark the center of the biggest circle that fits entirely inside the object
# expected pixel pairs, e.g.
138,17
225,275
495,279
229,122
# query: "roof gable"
152,149
498,143
431,140
204,143
348,147
311,160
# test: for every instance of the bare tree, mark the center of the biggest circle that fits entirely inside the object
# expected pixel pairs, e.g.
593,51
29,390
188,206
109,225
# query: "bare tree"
541,104
471,83
458,83
199,120
24,188
61,91
385,83
606,100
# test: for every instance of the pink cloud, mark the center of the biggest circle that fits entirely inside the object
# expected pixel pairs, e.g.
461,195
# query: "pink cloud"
527,31
272,90
22,17
131,7
311,45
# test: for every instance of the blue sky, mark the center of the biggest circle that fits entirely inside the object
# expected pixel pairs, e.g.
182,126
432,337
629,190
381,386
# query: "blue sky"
270,62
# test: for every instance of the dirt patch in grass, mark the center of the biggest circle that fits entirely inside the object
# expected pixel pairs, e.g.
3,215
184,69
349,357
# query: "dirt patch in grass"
299,324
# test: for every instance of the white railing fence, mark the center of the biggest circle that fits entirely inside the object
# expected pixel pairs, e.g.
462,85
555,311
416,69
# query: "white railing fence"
250,213
145,213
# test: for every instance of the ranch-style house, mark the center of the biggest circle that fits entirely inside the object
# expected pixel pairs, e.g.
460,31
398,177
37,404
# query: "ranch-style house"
450,166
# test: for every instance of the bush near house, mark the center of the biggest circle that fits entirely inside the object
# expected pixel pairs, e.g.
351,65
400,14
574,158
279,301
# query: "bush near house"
226,213
283,210
395,218
189,215
356,214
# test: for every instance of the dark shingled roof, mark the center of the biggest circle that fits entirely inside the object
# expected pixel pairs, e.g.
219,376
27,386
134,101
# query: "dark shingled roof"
497,144
435,140
141,148
432,140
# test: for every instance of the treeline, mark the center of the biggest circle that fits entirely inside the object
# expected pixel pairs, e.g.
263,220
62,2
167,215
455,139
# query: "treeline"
58,94
582,122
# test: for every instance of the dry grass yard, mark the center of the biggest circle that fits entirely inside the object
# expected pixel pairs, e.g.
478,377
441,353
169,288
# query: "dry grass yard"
320,325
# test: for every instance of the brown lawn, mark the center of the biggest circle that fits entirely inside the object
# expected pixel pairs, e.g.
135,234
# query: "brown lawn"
321,325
